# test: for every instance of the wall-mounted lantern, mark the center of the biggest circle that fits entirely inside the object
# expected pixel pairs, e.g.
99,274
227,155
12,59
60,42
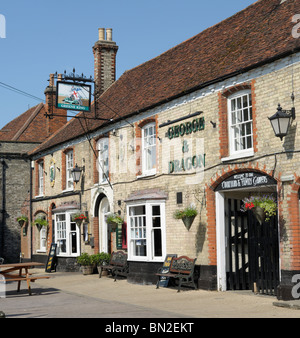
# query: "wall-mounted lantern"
281,121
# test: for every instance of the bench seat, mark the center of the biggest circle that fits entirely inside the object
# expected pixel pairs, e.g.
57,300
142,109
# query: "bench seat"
118,265
181,268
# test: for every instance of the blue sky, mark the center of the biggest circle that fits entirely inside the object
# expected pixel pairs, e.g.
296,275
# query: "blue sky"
43,37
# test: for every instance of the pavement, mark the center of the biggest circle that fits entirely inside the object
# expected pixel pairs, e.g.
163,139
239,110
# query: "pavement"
73,295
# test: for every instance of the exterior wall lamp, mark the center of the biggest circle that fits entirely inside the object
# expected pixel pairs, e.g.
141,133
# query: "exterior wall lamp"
76,173
281,121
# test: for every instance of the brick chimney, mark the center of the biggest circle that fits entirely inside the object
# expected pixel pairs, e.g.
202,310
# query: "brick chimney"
55,122
105,51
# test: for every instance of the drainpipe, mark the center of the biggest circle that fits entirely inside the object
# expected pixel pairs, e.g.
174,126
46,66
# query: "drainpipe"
3,211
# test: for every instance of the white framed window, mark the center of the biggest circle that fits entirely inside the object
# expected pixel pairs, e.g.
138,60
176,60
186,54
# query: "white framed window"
67,235
146,231
43,239
103,159
41,178
240,123
149,149
69,167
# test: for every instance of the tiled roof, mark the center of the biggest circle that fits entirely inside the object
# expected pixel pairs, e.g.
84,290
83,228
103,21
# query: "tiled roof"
28,127
258,34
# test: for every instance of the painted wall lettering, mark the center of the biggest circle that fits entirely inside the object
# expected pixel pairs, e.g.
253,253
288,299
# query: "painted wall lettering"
186,128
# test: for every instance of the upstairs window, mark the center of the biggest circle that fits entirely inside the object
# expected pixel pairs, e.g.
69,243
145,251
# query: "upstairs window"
240,122
69,167
149,149
41,178
103,159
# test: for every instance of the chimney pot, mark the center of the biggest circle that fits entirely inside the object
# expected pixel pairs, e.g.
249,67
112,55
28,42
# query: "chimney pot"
101,32
109,34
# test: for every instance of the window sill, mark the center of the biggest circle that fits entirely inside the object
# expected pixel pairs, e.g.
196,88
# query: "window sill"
67,190
149,174
239,155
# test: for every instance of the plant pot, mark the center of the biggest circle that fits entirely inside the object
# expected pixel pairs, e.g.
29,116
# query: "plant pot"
87,269
104,272
260,214
188,221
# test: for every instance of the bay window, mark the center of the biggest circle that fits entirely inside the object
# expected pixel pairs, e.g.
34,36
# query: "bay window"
67,235
146,231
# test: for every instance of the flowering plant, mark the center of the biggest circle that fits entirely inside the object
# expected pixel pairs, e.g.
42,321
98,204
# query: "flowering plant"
266,202
80,217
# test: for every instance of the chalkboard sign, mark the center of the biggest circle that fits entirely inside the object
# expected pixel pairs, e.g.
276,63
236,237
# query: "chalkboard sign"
51,263
164,281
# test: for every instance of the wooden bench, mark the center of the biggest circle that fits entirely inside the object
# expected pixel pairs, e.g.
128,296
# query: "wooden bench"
117,266
181,268
19,279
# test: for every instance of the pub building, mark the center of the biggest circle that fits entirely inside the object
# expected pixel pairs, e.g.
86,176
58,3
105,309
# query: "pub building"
190,128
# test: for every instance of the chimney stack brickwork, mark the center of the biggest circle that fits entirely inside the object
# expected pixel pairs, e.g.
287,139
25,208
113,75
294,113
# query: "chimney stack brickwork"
56,122
105,51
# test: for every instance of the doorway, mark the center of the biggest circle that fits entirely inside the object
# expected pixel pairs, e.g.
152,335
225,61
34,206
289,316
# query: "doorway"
247,251
252,254
104,231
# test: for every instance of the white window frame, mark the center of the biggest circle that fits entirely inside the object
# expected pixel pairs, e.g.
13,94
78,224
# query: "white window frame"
148,235
63,231
43,239
41,178
236,153
103,159
69,167
148,144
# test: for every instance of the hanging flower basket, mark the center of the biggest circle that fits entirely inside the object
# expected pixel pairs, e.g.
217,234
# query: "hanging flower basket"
22,220
80,218
263,207
187,215
40,222
114,220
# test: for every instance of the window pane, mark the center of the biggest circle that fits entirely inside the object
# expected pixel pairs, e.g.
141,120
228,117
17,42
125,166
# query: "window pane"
157,243
155,210
241,123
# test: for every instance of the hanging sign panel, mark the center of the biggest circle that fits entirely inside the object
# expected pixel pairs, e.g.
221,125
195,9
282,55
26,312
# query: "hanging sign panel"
73,96
245,180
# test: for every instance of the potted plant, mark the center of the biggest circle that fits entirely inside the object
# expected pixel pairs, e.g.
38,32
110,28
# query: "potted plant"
40,222
100,259
263,207
86,262
22,220
114,220
187,215
79,218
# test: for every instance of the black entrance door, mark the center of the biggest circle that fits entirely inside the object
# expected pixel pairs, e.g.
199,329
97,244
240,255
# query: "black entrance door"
252,260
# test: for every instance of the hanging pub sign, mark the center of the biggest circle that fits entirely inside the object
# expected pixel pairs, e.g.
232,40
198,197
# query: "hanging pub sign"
245,180
73,96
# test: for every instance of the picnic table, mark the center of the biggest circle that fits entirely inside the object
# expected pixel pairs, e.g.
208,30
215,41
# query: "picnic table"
7,271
